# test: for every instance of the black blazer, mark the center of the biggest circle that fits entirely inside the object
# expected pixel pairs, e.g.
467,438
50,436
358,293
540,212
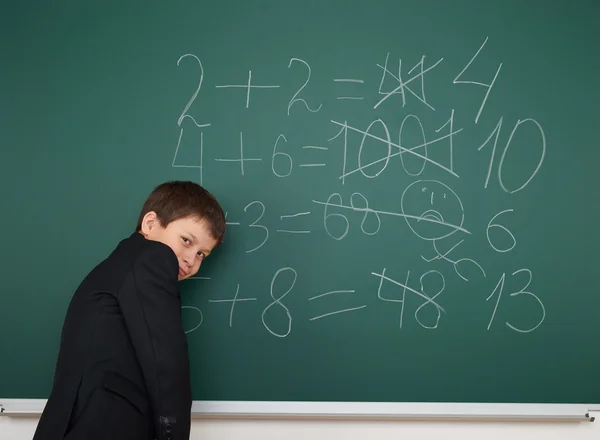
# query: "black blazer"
123,368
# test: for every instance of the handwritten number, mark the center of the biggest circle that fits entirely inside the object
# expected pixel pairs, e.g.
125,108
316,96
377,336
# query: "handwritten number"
200,320
504,228
294,98
524,292
255,225
355,208
495,133
326,216
285,155
367,211
431,300
537,168
404,149
500,287
487,86
451,133
185,115
362,143
193,98
277,302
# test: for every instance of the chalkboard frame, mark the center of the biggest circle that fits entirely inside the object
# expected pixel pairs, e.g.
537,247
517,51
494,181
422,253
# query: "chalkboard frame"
359,410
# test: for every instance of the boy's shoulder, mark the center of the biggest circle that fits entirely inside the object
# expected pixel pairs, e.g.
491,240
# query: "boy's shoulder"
131,252
138,250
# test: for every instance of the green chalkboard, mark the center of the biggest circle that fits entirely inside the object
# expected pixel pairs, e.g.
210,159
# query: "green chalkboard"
410,188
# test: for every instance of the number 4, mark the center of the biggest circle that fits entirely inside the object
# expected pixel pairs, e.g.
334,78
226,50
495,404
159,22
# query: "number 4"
488,86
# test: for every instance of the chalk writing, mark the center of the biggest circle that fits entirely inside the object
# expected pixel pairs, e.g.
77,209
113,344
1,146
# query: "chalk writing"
345,131
455,263
194,95
382,277
337,312
184,114
411,151
233,301
199,166
255,224
503,228
277,302
424,143
327,216
199,317
349,80
386,159
339,143
295,231
500,288
488,87
295,99
249,86
431,216
496,131
403,85
429,300
444,215
231,223
286,158
365,209
242,159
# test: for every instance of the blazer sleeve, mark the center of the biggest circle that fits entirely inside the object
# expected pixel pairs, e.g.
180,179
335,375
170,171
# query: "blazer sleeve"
151,308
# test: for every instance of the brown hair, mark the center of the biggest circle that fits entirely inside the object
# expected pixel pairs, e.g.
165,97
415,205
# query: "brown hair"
177,199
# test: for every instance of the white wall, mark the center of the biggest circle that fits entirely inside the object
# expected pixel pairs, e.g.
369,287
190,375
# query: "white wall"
21,428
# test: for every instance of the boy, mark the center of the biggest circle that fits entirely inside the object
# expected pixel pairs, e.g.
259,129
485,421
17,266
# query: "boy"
123,369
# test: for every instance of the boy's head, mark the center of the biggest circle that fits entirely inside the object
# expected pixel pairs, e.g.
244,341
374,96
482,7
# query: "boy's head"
187,218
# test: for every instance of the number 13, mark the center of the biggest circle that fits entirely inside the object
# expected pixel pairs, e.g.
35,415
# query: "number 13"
500,288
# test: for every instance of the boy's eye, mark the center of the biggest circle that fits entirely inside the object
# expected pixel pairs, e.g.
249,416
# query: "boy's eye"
186,240
201,255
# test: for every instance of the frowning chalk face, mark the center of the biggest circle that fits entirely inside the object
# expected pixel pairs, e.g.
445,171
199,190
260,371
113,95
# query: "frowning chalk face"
433,211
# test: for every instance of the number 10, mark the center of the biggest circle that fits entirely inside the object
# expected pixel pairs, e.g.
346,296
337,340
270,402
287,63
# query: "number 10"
496,131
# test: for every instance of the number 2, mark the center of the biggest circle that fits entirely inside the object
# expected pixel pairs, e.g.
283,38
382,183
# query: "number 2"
193,98
294,99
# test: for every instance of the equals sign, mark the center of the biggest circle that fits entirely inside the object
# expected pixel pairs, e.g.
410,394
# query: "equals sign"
313,147
294,231
347,80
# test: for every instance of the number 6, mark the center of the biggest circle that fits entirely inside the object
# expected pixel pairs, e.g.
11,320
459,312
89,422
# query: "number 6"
280,154
495,225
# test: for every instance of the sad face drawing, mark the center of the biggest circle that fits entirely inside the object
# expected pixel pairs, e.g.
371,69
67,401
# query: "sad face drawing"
432,209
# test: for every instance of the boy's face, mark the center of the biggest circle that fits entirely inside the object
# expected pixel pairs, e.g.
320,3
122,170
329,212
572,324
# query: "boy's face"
189,238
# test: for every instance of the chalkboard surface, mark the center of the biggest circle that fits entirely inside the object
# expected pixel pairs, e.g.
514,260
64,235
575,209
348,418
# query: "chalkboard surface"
410,188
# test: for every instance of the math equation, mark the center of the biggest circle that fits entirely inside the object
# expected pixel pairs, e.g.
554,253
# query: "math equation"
429,207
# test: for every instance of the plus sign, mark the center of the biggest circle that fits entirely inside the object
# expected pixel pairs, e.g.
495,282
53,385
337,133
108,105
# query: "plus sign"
232,301
246,86
242,159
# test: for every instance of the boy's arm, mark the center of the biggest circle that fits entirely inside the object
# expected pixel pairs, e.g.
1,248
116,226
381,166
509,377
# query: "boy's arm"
152,311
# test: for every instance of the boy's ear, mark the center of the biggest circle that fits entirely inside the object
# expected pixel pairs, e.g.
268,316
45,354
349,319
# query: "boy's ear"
149,222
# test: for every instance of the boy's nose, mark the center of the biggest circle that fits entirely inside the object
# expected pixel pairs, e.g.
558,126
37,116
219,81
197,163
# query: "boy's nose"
189,258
